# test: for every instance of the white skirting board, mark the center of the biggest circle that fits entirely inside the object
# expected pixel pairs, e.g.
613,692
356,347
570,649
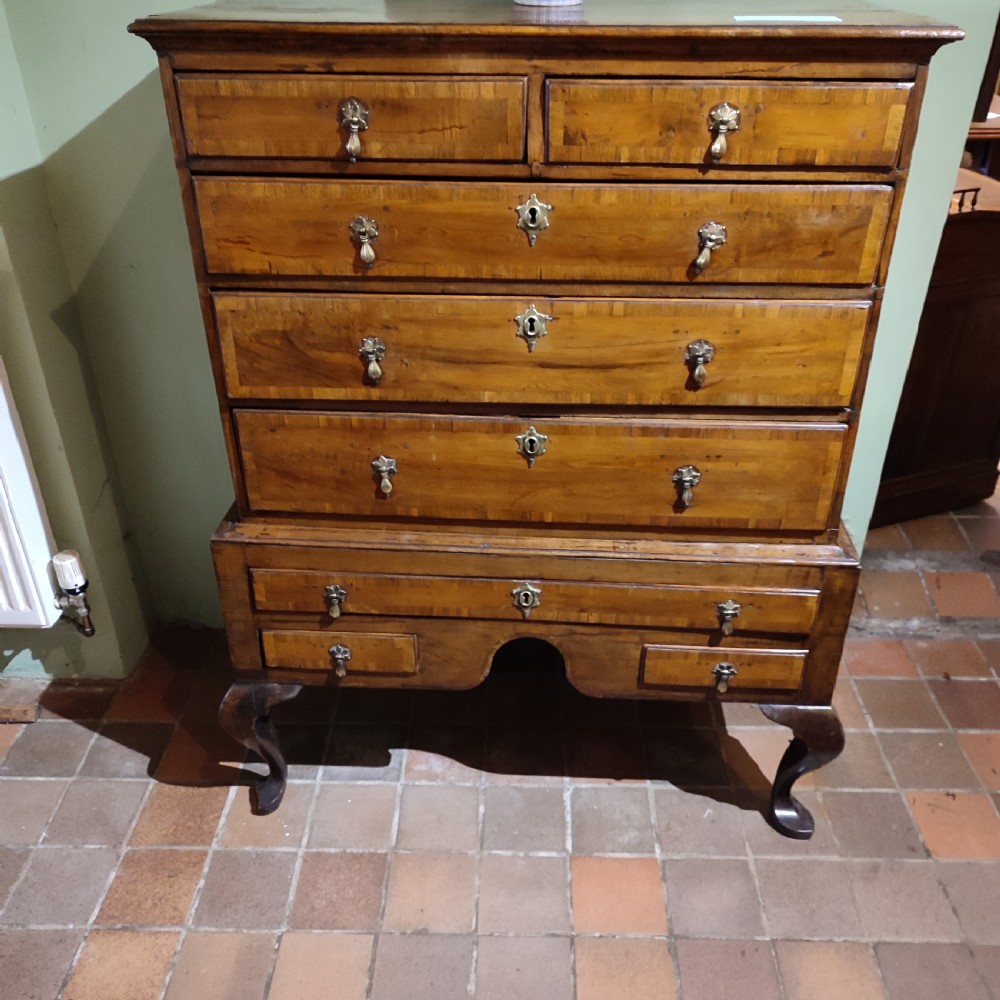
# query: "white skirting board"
27,588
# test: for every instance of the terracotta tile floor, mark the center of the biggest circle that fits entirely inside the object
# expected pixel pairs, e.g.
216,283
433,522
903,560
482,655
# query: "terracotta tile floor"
521,841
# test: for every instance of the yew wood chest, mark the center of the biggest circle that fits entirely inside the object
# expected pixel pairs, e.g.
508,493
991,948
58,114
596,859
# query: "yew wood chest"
548,323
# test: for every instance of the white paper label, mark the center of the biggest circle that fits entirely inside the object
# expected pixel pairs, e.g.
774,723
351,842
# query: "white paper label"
790,18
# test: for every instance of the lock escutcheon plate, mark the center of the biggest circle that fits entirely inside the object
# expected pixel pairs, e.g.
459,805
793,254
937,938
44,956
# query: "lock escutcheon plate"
531,444
533,217
527,597
531,326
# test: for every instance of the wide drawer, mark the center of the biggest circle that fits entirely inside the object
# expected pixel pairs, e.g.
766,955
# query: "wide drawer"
622,233
299,116
762,475
779,124
701,667
539,350
371,654
703,607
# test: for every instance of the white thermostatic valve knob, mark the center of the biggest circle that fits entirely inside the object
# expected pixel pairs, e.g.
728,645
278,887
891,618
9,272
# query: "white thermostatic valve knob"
69,570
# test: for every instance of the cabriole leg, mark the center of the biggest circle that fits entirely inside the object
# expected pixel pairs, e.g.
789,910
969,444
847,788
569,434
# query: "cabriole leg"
245,713
818,737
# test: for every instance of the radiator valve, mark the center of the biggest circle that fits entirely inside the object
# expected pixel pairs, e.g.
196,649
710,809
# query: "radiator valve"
73,583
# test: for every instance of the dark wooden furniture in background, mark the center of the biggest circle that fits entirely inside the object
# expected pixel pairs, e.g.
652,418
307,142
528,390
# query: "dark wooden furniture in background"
945,443
542,329
985,130
983,137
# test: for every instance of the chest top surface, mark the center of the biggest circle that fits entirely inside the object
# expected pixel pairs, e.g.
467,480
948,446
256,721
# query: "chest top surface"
707,20
653,13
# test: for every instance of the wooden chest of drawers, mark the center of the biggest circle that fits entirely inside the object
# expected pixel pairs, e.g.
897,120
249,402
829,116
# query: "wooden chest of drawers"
542,324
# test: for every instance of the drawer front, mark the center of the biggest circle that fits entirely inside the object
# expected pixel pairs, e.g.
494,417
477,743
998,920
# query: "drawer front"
592,351
278,590
700,667
409,118
756,476
629,232
371,654
780,124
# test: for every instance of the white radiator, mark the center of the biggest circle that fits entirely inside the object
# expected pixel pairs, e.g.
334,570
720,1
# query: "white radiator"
27,590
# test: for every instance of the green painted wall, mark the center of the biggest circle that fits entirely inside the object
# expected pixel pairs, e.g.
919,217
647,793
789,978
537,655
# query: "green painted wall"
95,99
954,80
110,335
42,344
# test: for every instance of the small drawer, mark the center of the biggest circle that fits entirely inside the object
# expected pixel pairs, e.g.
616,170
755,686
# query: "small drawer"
370,654
404,118
642,352
730,668
704,233
698,606
647,471
729,123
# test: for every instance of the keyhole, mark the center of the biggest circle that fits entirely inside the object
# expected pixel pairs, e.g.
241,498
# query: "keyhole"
525,599
531,325
533,216
531,445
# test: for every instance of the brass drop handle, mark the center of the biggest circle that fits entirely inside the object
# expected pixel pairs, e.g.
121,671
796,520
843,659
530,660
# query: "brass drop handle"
335,596
723,674
372,350
531,444
385,469
698,354
711,236
686,478
364,232
354,115
527,597
722,119
728,612
341,656
531,326
533,217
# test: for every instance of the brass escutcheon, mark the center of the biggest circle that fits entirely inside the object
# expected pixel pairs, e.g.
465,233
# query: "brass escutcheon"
526,597
531,326
531,444
533,217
